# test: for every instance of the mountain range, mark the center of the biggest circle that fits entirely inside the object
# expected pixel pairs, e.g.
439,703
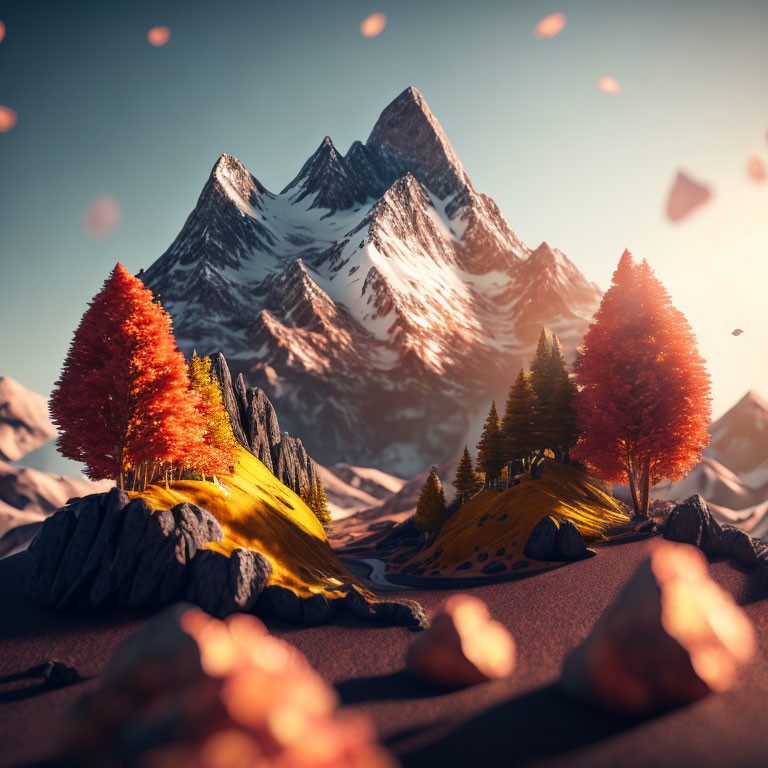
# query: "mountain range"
379,300
733,473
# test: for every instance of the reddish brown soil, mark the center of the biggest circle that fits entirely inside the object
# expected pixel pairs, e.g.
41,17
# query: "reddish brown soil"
522,721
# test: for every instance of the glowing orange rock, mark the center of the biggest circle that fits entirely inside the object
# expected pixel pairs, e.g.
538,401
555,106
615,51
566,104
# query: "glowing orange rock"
686,195
463,646
672,636
549,26
756,168
8,119
102,216
608,85
158,36
237,696
373,25
2,31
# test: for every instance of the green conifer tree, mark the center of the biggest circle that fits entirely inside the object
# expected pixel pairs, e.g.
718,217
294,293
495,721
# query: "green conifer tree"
562,419
466,481
544,374
314,497
490,449
517,426
430,508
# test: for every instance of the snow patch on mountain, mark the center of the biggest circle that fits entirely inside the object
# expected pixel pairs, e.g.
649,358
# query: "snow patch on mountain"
379,299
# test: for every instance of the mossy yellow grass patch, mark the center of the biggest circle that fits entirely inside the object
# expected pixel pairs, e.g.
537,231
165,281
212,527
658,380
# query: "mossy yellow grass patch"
256,511
494,520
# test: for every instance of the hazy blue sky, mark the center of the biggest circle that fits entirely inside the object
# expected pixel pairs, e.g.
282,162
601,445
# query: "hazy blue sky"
100,111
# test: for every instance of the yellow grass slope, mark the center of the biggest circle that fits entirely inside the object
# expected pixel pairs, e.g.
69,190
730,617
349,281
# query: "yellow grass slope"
256,511
496,526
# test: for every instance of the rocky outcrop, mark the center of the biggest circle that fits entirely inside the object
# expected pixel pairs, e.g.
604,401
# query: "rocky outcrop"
222,585
691,522
552,542
284,604
106,551
255,426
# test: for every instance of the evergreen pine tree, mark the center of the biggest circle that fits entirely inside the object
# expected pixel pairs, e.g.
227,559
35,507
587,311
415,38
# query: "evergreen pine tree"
517,426
430,508
490,449
466,481
545,368
321,511
562,419
314,497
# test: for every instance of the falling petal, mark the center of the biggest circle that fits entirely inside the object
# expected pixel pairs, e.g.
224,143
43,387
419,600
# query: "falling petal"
608,85
2,31
686,195
737,332
8,119
549,26
373,25
756,168
158,36
102,216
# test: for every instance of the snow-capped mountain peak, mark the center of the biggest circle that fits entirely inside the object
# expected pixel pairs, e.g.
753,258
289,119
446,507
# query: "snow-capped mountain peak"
378,299
410,138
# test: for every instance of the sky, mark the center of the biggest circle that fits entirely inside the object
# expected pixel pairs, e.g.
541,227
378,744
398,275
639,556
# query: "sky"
101,112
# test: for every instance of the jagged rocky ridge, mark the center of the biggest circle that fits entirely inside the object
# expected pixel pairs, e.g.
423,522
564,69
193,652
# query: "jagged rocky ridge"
105,551
255,426
377,293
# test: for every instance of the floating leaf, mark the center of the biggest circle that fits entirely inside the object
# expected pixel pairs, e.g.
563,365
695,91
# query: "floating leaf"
549,26
102,216
608,85
158,36
686,195
373,25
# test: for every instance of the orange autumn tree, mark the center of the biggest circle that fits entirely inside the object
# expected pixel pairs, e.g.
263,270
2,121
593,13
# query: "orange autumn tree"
644,399
123,402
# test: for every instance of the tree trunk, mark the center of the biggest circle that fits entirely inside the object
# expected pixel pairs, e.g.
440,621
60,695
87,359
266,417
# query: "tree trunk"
645,488
633,491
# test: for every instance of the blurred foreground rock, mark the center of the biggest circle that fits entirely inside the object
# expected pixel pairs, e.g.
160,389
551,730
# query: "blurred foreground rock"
190,690
463,646
672,636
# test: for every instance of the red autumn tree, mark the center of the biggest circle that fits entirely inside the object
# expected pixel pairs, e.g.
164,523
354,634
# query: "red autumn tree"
123,401
644,399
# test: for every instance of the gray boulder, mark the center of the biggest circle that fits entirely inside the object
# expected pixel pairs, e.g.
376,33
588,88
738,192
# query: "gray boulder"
104,551
691,522
737,545
223,585
284,604
570,543
542,543
555,542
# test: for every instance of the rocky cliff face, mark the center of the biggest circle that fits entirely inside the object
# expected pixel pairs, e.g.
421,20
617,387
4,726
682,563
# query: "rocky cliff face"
255,426
379,300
